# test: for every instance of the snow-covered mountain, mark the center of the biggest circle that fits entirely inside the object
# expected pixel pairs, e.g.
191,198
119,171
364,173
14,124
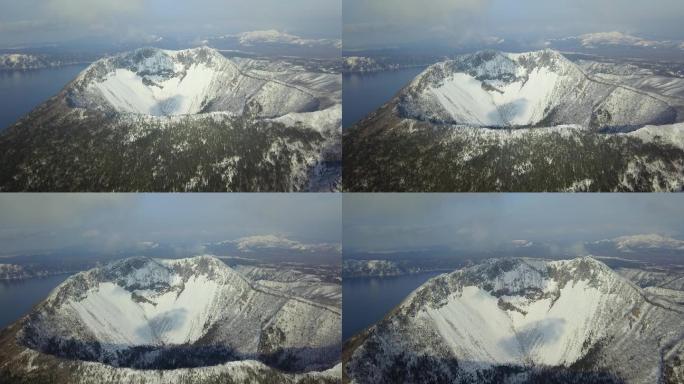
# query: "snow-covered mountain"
523,321
319,287
632,243
616,39
471,123
272,36
258,242
647,249
493,89
162,83
179,318
657,277
205,122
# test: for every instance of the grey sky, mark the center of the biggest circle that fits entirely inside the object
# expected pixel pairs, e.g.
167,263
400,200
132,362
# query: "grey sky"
34,222
452,22
39,21
374,222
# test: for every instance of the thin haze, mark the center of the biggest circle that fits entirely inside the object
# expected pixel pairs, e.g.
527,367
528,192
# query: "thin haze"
54,21
485,221
108,222
379,23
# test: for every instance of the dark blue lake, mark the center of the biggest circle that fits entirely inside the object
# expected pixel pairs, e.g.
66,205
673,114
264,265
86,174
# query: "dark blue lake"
367,300
17,297
364,93
21,91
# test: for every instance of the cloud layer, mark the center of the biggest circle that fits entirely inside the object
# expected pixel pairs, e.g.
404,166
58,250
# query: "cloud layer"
380,23
483,222
110,222
43,21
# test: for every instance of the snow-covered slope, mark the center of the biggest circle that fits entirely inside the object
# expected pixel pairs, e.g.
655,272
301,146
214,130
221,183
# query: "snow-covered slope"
656,277
494,89
159,314
316,287
614,38
160,82
159,304
520,320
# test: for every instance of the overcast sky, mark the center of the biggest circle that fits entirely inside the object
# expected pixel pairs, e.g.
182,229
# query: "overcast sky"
391,222
35,222
40,21
392,23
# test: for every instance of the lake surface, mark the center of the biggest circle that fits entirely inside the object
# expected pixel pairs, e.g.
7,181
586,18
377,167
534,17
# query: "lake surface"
21,91
364,93
367,300
17,297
